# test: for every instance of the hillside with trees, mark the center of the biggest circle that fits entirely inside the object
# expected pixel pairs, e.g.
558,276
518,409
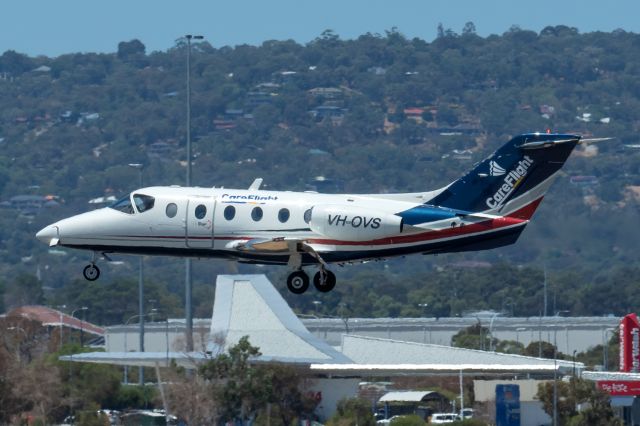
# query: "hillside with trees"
380,113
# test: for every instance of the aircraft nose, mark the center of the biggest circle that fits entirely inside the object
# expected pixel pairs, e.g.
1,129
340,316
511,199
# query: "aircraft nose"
49,235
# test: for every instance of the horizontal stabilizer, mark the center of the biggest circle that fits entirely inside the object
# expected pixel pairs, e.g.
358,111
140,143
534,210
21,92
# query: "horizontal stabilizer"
594,140
546,143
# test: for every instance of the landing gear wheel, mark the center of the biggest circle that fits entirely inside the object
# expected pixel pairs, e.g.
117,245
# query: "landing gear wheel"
298,282
325,285
91,272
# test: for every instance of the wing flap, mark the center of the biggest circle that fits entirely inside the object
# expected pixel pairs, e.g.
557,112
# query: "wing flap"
264,245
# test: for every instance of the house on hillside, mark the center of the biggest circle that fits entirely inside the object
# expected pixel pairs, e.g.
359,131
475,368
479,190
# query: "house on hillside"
42,69
328,112
414,113
31,204
267,87
160,149
260,98
584,181
326,92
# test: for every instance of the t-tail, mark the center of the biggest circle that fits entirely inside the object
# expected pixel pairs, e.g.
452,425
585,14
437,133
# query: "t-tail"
513,180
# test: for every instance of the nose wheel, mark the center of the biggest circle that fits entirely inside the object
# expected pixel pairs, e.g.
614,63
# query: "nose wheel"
298,282
91,272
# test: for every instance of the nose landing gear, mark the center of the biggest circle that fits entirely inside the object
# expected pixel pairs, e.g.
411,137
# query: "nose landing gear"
91,272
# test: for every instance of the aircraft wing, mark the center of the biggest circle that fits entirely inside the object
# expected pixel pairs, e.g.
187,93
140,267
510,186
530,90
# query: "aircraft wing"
281,245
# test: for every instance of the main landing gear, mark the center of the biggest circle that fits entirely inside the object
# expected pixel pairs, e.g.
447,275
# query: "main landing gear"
298,281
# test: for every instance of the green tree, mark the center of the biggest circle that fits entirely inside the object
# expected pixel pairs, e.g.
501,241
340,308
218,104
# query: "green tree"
127,49
240,388
542,349
25,290
352,411
243,390
287,399
409,420
569,395
510,347
15,63
469,29
473,337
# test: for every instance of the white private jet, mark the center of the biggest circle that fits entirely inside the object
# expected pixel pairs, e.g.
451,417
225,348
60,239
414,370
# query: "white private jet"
487,208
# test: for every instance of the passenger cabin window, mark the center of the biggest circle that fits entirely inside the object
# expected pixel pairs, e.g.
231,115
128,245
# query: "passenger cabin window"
256,214
201,211
143,202
307,216
229,212
283,215
172,210
123,204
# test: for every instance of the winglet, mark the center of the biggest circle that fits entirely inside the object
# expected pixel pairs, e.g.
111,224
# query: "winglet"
255,185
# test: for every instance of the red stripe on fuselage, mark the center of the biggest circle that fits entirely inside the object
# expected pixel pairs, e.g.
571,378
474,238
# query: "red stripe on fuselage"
519,217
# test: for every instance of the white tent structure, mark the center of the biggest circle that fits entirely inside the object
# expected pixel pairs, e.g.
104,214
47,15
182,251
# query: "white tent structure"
249,305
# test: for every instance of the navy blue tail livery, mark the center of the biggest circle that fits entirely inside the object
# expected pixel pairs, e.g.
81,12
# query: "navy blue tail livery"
488,207
519,166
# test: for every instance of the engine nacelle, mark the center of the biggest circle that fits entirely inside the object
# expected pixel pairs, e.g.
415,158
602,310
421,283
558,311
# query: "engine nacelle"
348,223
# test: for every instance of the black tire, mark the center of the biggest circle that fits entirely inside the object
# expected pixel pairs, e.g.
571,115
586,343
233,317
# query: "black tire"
298,282
91,272
328,284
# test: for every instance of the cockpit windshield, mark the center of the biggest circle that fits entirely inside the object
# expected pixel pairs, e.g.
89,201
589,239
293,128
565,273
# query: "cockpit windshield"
123,204
143,202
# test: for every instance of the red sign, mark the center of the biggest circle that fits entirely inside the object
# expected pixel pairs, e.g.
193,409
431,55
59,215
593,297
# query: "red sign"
630,344
619,387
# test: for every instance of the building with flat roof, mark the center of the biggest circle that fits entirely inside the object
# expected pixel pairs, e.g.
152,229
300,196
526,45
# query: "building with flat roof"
249,305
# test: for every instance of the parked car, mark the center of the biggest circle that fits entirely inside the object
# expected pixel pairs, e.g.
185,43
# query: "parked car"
389,421
466,413
439,418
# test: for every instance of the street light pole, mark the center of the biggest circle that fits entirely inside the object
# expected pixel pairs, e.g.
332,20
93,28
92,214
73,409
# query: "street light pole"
491,331
424,307
188,281
126,367
140,168
555,379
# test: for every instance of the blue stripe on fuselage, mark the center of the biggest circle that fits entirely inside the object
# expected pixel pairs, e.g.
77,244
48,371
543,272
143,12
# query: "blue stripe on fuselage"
425,213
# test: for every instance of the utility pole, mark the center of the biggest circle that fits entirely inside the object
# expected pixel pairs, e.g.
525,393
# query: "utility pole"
545,290
140,168
555,380
188,309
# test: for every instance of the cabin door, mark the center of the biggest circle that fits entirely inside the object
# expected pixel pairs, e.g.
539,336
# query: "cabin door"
199,221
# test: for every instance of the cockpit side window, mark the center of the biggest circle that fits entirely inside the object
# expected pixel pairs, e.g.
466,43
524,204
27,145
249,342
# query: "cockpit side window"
123,204
143,202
